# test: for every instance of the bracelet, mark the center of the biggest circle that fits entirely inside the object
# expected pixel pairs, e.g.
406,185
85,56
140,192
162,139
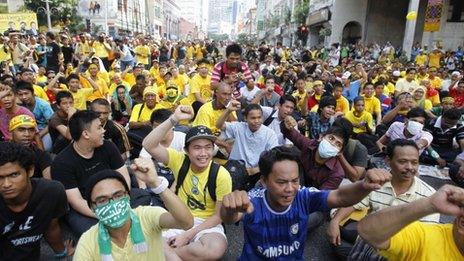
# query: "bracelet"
162,187
62,254
173,122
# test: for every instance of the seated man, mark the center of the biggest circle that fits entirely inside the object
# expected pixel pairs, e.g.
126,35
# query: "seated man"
396,233
456,170
404,187
23,129
444,130
411,129
251,137
29,208
113,130
322,168
272,117
195,173
135,232
58,124
275,219
140,117
209,113
88,154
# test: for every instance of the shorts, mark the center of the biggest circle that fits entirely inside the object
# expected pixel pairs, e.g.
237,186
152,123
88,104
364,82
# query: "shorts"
196,221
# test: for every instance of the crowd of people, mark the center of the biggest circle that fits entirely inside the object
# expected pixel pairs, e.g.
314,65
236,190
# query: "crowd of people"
144,149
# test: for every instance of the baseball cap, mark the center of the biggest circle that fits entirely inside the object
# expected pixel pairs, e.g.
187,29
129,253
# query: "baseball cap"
396,73
22,121
199,132
455,73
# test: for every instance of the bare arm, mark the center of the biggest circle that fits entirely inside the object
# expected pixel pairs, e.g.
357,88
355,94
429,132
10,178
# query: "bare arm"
78,203
353,173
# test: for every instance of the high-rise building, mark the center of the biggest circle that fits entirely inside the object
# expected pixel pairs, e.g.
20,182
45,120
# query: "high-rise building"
195,11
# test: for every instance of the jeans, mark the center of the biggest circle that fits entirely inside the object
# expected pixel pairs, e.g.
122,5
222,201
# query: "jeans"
125,64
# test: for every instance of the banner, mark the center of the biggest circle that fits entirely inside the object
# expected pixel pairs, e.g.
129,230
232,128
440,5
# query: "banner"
18,21
433,15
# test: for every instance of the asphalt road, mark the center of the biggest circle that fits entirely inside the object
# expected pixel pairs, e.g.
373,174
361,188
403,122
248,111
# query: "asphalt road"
317,246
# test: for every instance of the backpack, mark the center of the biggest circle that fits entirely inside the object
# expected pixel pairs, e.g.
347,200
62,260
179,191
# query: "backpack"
212,177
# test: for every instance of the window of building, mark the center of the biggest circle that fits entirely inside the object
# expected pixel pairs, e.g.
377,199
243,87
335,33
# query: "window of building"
456,11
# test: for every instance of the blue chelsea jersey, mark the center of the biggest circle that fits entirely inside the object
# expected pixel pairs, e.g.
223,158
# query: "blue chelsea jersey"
280,235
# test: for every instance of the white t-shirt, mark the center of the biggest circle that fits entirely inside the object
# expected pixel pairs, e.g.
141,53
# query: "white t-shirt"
177,143
247,94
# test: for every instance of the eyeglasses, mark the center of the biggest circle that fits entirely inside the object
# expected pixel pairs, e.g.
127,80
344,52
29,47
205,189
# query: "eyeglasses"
102,201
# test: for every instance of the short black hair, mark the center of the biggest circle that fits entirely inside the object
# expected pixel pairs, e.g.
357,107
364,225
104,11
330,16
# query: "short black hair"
269,77
416,112
339,132
411,69
22,85
201,61
233,48
280,153
61,95
11,152
287,97
399,143
72,76
99,176
452,114
160,115
250,107
325,101
79,122
345,124
51,35
140,77
99,101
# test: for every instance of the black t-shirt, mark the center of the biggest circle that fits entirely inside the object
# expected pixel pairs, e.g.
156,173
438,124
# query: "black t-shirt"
52,56
58,140
117,134
43,160
20,233
68,52
73,171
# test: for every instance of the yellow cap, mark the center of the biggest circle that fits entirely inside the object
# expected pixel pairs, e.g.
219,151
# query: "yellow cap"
318,83
149,90
22,121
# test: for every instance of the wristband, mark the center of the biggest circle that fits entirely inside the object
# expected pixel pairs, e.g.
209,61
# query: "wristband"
173,121
162,187
62,254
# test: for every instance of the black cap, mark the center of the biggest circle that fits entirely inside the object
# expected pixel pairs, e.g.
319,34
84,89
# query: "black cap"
25,69
199,132
99,176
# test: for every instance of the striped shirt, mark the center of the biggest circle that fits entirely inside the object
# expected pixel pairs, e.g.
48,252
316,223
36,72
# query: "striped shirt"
386,197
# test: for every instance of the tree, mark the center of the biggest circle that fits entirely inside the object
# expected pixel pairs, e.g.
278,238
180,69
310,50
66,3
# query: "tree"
66,14
301,12
243,38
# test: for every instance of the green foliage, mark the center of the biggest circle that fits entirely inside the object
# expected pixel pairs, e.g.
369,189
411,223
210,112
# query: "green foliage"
301,12
243,38
63,12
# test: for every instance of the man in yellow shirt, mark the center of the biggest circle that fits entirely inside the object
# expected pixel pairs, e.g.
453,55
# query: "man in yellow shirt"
210,112
190,50
142,53
200,84
80,95
434,58
343,105
179,80
123,233
102,91
435,81
27,75
421,59
372,103
102,50
398,237
141,113
192,169
130,77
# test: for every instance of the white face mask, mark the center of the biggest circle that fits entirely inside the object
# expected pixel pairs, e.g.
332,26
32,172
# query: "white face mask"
327,150
414,127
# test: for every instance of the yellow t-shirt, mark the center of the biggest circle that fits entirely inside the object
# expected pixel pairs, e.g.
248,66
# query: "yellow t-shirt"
198,52
372,105
300,103
88,249
364,117
421,59
190,52
389,89
84,48
102,88
423,242
142,53
200,85
434,59
40,92
130,79
342,105
41,79
145,114
81,97
180,81
100,50
154,72
4,56
200,191
208,117
435,99
425,104
436,83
